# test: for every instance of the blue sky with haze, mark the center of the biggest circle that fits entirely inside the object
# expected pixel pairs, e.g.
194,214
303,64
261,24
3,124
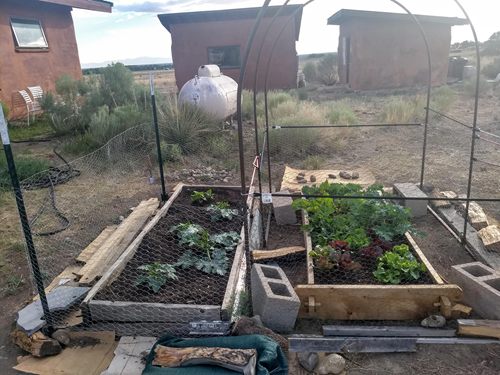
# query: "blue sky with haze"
134,31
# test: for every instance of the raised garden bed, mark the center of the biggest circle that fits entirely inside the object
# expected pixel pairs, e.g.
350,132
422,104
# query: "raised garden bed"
194,295
347,289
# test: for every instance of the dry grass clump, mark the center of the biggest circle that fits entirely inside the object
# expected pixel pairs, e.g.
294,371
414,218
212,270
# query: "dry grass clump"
313,163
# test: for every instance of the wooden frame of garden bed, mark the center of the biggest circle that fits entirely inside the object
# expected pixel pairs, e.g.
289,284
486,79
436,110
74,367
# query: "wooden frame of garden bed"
170,314
375,302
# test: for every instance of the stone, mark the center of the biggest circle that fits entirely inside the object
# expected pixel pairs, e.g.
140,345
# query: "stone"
312,178
418,208
341,174
283,212
333,364
434,321
225,180
332,176
347,176
29,320
355,175
304,181
273,298
308,360
301,174
121,218
298,178
257,320
62,335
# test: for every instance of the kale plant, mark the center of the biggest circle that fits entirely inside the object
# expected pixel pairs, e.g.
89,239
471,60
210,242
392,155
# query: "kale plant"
157,274
220,211
201,197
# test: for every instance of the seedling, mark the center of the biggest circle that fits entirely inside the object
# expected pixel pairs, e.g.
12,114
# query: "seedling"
157,275
221,210
201,197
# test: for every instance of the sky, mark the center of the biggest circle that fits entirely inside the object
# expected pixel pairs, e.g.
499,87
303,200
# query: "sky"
134,31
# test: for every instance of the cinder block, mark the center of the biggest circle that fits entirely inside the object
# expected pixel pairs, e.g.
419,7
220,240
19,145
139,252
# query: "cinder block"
283,212
418,208
273,298
481,288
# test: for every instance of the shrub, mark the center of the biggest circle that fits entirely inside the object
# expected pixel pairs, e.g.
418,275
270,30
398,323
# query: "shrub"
310,71
327,70
492,46
303,94
25,167
218,147
442,98
493,69
5,109
398,111
470,86
275,98
117,85
341,114
169,153
312,162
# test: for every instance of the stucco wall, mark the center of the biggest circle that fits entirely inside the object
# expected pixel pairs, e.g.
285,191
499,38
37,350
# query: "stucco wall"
18,70
190,43
392,54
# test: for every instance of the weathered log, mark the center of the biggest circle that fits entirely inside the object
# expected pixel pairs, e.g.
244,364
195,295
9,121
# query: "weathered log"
245,326
239,360
37,344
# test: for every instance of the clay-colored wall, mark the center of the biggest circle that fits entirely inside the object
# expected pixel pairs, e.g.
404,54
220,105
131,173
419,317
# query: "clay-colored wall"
190,42
392,54
20,69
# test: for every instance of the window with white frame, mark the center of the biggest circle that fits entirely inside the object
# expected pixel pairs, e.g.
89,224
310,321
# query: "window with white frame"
28,33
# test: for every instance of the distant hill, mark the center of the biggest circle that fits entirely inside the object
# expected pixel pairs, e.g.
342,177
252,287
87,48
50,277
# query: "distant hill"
135,61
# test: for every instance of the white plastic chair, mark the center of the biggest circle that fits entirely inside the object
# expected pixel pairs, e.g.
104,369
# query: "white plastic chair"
495,80
30,105
36,94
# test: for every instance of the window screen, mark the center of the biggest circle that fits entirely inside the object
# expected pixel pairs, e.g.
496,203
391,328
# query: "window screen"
225,57
28,33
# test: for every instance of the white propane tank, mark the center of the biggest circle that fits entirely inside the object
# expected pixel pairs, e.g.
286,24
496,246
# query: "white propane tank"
212,91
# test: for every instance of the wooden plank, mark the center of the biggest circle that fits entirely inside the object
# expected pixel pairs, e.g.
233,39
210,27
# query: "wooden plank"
91,249
69,273
234,276
89,360
352,344
484,328
151,312
141,328
421,256
37,344
308,242
460,311
129,355
456,341
269,254
375,302
386,331
118,242
445,306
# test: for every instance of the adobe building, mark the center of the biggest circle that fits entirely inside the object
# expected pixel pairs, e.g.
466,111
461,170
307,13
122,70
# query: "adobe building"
38,45
379,50
220,38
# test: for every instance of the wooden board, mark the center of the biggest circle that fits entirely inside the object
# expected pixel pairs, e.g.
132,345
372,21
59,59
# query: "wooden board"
289,182
484,328
421,256
490,237
386,331
69,273
90,360
37,344
129,356
116,244
351,344
91,249
373,302
309,247
269,254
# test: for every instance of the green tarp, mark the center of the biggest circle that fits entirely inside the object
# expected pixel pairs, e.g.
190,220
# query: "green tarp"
270,357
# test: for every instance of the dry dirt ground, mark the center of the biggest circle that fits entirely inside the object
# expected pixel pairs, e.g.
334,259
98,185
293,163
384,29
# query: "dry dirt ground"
393,155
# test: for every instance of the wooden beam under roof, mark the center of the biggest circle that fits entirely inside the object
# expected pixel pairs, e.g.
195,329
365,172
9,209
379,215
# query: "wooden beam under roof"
96,5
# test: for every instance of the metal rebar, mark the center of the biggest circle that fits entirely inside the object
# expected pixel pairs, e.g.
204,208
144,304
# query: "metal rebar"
450,118
488,163
342,126
487,140
474,123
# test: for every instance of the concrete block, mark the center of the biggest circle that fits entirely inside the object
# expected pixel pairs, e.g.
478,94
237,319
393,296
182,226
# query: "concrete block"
481,288
60,299
273,298
283,212
418,208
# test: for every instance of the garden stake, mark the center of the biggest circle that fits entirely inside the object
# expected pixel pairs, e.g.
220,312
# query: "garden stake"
33,260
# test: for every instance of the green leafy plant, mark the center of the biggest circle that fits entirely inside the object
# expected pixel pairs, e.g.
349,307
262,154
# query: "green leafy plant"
221,210
397,266
202,196
213,246
157,274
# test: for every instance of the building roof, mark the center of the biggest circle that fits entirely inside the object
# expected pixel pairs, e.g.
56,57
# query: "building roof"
96,5
347,14
230,15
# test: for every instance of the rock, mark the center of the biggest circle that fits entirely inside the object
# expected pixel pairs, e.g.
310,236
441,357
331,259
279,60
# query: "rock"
299,177
333,364
257,319
355,175
332,176
121,218
313,178
308,360
304,181
434,321
301,174
346,175
341,174
225,180
62,335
